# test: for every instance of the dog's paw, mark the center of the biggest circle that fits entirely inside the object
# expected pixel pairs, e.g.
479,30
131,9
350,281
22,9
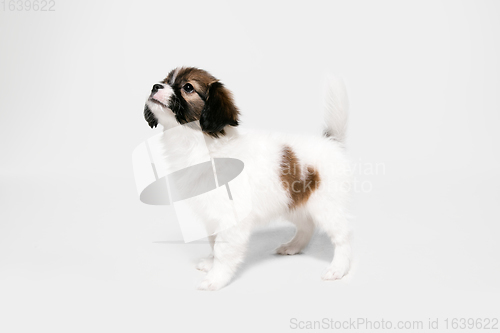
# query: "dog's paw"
205,264
335,272
288,249
218,277
211,285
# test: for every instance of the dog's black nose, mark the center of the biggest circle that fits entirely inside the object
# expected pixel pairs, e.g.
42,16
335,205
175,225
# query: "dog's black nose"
156,87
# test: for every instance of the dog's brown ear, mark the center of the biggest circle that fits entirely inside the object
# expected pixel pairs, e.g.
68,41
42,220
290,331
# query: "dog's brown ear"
219,110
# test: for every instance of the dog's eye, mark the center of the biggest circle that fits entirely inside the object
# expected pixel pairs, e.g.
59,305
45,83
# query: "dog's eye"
188,88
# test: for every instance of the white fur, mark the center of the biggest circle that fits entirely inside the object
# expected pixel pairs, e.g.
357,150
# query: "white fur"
262,153
174,76
336,106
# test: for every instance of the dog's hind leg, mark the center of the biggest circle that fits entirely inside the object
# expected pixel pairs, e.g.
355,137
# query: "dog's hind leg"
304,230
334,222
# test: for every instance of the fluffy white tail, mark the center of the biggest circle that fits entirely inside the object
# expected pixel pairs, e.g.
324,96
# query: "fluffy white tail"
336,106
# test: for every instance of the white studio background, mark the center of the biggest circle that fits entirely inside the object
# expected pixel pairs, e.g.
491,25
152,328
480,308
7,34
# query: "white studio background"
79,252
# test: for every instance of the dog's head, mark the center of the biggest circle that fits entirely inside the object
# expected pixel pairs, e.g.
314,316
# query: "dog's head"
190,94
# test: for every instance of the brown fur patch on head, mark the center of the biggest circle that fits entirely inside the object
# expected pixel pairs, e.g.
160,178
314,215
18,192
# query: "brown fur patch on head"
299,183
199,78
209,101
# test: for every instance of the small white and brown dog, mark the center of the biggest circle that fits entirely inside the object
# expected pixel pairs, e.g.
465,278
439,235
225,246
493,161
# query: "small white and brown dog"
301,179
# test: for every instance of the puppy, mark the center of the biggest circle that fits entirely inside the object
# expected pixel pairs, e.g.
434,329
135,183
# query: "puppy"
302,179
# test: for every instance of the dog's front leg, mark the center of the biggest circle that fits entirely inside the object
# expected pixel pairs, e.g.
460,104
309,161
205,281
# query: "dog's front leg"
229,251
206,264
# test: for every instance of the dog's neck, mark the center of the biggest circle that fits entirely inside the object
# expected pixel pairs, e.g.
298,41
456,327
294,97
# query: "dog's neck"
214,144
187,145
